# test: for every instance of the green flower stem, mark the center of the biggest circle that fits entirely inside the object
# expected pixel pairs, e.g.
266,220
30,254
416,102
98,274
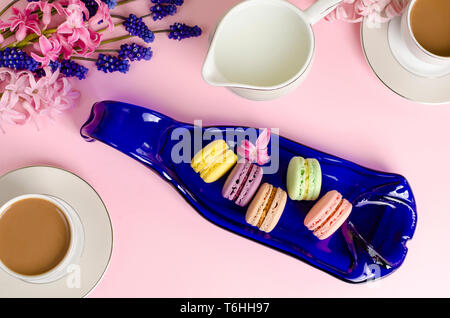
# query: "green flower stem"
118,16
8,6
123,37
119,38
106,28
83,58
8,33
40,13
124,2
30,38
106,51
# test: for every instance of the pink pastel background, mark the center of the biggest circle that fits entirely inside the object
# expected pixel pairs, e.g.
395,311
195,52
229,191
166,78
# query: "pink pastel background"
163,248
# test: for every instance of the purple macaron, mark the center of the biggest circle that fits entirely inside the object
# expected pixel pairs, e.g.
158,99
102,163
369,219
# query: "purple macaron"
242,183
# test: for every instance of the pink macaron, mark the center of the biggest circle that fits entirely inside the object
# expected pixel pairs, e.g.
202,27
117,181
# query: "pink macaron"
328,214
242,183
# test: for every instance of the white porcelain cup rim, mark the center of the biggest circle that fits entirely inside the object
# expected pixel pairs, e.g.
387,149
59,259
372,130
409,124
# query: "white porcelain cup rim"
311,15
76,241
411,33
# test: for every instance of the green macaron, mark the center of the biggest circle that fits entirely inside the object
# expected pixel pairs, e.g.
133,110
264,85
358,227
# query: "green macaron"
304,179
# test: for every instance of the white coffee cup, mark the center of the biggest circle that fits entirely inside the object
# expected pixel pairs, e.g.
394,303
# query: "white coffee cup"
259,69
413,45
74,251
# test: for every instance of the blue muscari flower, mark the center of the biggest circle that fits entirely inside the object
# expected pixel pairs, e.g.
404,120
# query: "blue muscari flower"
135,26
92,7
40,71
161,11
135,52
72,69
175,2
111,3
109,64
67,67
54,65
180,31
16,59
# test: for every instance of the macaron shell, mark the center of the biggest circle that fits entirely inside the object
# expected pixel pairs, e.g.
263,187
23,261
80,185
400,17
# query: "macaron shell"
335,221
275,211
208,154
322,209
251,185
315,179
217,169
235,179
256,207
295,178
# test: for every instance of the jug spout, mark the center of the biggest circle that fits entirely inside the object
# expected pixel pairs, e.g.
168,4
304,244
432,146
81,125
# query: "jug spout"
211,73
136,131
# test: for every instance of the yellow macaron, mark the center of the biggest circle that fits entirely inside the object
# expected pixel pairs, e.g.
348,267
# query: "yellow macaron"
213,161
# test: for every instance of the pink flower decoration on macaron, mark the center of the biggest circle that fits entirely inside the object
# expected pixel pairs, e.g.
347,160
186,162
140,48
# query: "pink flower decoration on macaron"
256,153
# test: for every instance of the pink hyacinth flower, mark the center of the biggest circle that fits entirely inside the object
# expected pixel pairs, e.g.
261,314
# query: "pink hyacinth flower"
75,32
256,153
8,100
8,113
376,11
46,8
22,21
59,95
3,27
89,44
24,98
50,48
74,19
102,15
66,48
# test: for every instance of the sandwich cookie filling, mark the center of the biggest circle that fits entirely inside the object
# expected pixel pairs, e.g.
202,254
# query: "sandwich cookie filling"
247,169
236,185
208,154
317,223
306,171
338,216
213,160
246,186
304,178
267,206
328,214
225,158
333,215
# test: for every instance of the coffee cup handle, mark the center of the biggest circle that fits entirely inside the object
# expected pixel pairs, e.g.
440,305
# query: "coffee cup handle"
320,9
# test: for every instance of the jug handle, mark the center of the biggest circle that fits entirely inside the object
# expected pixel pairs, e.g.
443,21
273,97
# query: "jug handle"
320,9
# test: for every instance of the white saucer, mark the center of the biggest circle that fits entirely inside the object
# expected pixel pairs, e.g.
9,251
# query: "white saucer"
404,80
94,217
408,60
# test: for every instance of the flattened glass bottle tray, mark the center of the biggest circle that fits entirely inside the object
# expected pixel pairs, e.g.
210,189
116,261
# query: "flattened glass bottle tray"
370,245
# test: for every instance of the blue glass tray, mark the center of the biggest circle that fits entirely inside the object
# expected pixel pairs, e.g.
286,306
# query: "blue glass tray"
370,245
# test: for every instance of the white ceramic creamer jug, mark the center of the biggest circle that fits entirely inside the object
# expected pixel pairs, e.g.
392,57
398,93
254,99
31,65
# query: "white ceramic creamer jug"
263,49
